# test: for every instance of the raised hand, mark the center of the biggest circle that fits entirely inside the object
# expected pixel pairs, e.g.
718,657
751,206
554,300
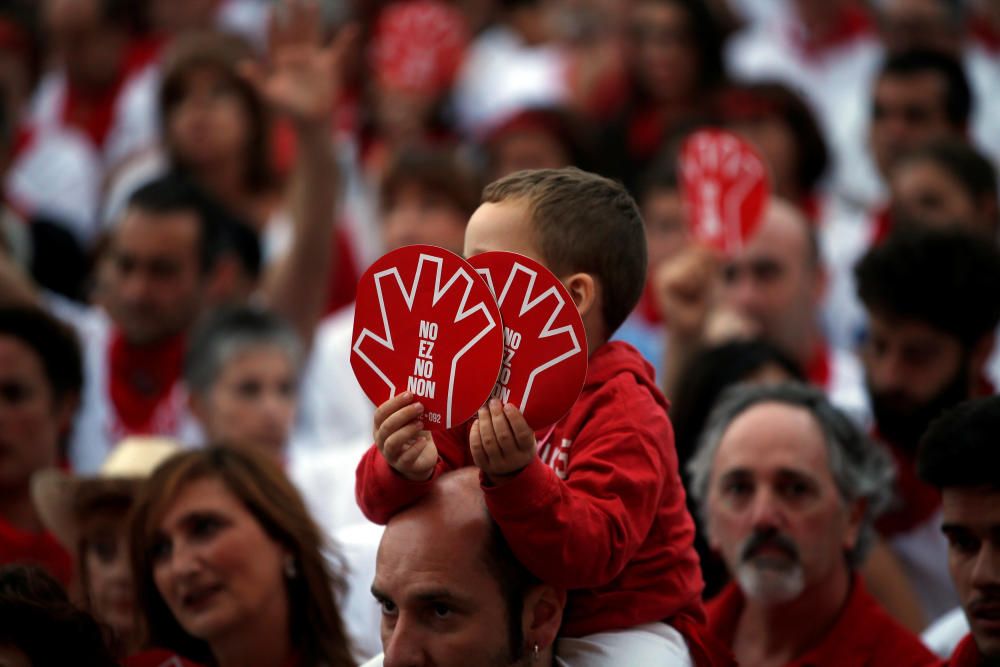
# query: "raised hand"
302,78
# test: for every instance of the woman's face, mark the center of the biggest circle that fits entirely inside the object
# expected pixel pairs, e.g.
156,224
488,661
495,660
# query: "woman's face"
217,570
664,53
209,123
252,402
109,578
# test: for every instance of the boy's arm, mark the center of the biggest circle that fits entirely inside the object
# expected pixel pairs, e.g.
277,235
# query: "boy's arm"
580,532
381,490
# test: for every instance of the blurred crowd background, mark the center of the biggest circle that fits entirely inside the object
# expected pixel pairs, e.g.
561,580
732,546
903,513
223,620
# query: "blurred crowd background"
314,140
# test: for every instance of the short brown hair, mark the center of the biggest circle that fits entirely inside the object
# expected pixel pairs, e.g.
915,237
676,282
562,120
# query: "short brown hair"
587,223
314,626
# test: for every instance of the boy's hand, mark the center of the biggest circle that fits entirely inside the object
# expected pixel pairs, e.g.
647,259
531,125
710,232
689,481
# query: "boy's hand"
400,436
501,441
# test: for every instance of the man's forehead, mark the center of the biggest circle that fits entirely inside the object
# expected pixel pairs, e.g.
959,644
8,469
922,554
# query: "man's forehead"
913,83
415,559
769,438
972,507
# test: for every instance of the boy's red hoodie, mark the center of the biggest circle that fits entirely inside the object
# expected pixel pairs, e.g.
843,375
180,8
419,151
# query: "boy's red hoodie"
600,512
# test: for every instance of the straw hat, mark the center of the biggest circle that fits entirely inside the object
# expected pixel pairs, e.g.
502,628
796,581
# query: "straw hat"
56,493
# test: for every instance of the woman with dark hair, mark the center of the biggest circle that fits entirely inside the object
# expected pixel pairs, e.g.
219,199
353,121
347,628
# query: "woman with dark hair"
674,68
229,566
216,126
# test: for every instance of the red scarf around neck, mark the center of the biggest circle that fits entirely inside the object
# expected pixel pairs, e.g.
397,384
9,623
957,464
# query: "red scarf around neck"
141,378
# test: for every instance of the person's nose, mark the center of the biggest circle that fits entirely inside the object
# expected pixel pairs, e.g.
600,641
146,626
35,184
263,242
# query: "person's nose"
405,645
986,570
766,511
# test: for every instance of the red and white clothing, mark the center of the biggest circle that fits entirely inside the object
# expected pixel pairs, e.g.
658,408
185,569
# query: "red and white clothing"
966,655
76,137
600,511
109,408
827,71
18,546
864,635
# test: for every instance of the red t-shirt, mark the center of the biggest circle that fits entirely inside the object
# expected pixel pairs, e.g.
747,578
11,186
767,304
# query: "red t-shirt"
864,635
18,546
600,512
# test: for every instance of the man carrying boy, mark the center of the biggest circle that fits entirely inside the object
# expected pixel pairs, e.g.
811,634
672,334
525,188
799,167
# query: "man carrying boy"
593,504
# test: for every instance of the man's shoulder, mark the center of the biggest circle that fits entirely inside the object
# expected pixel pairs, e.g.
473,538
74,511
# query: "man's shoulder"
865,627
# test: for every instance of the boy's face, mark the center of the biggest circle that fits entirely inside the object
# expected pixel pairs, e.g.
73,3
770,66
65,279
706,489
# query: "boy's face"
505,226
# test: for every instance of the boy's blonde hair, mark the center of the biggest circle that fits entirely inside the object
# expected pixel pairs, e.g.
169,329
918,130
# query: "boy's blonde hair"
584,223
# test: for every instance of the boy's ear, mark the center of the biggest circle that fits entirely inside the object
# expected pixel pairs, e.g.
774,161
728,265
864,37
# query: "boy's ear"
583,289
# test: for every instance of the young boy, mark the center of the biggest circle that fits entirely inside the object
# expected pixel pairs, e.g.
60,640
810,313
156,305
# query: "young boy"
593,504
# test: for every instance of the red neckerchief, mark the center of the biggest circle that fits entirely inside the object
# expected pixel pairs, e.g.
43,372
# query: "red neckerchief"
93,112
141,378
966,654
818,369
881,225
981,30
852,24
42,549
919,500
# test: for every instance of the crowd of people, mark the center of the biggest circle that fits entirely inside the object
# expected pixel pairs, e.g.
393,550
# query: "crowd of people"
784,454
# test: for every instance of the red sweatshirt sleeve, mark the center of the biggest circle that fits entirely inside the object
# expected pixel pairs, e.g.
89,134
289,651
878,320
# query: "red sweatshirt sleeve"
581,532
381,492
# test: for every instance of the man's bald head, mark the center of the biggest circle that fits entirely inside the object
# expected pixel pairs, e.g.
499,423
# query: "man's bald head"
449,585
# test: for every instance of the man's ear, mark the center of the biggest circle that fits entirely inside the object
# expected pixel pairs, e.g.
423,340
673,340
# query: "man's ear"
542,615
856,514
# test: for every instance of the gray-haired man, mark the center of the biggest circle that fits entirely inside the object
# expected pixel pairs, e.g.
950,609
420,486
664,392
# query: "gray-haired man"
789,488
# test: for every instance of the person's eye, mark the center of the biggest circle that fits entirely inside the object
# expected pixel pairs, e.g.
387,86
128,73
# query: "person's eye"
106,549
205,527
15,393
795,490
388,607
441,611
966,545
248,389
738,489
160,550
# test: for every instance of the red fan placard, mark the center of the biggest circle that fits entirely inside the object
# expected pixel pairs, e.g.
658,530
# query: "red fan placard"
725,187
545,345
426,322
